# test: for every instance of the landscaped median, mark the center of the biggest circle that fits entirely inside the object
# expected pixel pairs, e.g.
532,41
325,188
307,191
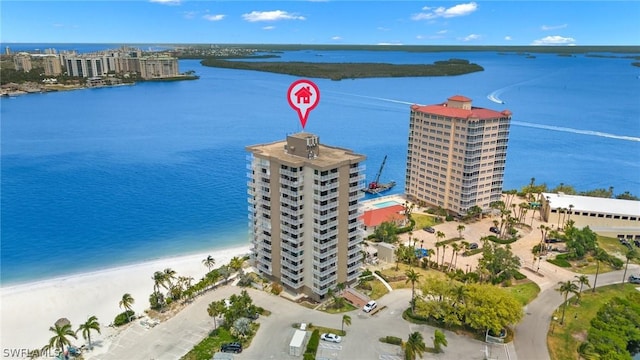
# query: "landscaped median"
611,334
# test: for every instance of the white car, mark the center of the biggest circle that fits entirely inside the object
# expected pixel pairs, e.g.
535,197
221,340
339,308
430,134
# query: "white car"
331,337
370,306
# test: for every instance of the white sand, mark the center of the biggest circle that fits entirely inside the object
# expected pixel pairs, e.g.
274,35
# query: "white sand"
28,310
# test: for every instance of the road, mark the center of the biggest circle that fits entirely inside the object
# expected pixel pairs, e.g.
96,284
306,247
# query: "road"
531,333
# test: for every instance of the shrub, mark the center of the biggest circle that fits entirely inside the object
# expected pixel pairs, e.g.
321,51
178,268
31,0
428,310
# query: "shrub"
312,346
123,318
276,289
560,260
367,272
393,340
615,262
519,276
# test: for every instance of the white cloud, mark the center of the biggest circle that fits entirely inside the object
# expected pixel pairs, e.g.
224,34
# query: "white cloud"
336,38
217,17
271,16
166,2
189,14
442,32
508,38
419,37
471,37
268,27
442,12
382,28
555,40
552,27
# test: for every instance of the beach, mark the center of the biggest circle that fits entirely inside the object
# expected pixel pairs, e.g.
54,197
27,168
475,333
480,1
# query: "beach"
28,310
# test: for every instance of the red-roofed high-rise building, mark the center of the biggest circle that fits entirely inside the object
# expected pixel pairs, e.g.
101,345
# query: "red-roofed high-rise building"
456,155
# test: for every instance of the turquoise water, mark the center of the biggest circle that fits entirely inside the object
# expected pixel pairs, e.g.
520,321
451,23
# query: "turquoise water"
112,176
385,204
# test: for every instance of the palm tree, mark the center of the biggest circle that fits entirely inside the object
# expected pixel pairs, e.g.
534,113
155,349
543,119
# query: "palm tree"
439,340
209,262
346,320
159,279
460,229
215,309
582,280
444,250
169,276
60,337
631,254
413,277
126,302
570,212
566,288
399,252
454,248
236,263
600,255
414,347
90,324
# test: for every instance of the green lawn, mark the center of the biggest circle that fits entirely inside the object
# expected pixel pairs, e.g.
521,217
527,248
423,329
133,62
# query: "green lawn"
211,344
613,247
524,292
346,308
563,340
422,221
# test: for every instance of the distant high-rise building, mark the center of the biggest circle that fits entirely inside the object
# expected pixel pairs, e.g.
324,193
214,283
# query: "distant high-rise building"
7,51
456,155
52,65
22,62
304,213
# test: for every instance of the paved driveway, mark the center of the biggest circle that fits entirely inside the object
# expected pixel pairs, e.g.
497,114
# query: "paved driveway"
175,337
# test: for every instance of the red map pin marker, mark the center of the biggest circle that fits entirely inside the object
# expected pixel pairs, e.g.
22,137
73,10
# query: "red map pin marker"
303,96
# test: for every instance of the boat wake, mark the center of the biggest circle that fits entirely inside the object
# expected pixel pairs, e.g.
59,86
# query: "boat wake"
494,96
576,131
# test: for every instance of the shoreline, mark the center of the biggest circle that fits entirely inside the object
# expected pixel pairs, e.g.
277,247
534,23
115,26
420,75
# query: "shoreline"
29,309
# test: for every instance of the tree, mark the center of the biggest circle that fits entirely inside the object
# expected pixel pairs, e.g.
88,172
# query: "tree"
566,288
490,307
209,262
600,255
62,332
399,252
500,262
346,320
386,232
169,276
126,302
235,264
241,327
414,347
215,309
582,280
631,254
413,277
439,340
90,324
460,229
454,253
159,279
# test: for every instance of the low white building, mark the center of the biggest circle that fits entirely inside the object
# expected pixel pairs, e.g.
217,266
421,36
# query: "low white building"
608,217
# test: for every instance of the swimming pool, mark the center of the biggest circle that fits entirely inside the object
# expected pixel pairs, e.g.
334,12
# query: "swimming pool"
386,204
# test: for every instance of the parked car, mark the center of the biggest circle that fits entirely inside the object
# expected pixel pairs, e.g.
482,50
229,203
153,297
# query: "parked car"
331,337
370,306
429,229
551,240
494,230
473,246
234,347
634,279
637,242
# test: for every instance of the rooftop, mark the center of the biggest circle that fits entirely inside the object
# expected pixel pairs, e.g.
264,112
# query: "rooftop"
474,113
595,204
376,217
327,156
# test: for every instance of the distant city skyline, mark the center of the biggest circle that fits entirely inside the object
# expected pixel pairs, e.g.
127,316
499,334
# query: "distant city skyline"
322,22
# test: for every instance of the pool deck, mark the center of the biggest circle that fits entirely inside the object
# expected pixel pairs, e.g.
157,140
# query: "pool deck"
371,203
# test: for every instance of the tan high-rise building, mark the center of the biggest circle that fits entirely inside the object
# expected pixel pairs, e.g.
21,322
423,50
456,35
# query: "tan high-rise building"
456,155
304,213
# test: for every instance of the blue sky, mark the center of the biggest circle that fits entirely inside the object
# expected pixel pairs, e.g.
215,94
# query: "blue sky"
322,22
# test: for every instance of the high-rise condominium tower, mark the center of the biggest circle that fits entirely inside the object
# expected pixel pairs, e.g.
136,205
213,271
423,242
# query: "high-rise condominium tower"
304,213
456,155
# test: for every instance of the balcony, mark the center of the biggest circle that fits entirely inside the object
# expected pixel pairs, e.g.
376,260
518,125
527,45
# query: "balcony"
290,248
326,235
291,184
326,197
357,169
328,207
328,280
328,177
291,283
293,268
323,273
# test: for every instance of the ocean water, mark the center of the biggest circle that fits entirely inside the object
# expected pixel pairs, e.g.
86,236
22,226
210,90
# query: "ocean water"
104,177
